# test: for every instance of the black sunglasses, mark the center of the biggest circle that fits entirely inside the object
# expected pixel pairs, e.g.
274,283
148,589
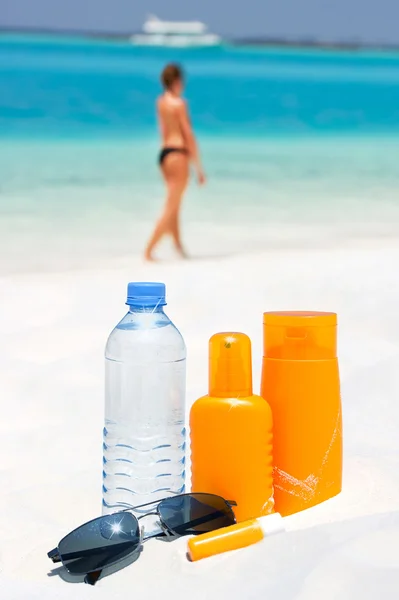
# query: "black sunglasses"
109,539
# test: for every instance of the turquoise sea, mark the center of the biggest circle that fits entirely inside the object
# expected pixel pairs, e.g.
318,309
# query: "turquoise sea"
301,147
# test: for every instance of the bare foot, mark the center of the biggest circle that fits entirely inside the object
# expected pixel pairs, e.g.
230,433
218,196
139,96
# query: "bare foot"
149,257
182,253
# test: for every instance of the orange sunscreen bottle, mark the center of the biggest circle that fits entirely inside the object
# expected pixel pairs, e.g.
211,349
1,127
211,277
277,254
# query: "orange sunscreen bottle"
231,432
300,380
234,537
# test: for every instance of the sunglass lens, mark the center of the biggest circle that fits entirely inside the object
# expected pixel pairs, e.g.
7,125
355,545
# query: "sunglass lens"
195,513
100,543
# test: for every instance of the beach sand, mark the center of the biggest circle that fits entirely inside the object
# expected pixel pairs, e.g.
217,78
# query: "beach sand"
53,331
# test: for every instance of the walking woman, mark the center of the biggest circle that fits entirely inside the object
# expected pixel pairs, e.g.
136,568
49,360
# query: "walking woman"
178,150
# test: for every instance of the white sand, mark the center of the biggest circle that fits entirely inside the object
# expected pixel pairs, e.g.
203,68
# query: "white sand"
53,331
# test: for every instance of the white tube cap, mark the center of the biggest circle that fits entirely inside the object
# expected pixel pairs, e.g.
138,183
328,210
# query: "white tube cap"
271,524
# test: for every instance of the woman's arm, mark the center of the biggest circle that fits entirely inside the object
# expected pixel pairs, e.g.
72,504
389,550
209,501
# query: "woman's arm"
187,130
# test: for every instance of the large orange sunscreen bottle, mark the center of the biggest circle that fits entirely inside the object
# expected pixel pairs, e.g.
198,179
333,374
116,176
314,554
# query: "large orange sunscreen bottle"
300,381
231,432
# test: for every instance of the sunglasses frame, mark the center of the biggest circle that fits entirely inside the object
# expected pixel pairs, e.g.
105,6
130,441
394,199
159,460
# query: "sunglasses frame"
92,576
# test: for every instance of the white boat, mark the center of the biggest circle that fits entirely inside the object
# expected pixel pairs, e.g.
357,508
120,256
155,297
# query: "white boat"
175,33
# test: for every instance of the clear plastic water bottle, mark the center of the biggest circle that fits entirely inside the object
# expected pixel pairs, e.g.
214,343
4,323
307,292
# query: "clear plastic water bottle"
145,379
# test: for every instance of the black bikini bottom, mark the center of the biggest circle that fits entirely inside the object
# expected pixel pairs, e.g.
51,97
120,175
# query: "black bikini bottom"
168,150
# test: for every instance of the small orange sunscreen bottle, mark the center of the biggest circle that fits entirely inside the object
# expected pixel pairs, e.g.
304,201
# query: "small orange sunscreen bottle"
231,432
234,537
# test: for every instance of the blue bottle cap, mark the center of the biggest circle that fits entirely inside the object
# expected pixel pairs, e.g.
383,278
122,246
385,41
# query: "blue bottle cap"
145,293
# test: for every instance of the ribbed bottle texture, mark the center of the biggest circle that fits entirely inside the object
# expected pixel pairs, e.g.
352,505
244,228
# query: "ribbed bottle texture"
144,436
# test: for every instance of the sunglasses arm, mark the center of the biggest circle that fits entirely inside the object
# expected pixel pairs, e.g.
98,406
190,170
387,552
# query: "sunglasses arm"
90,578
54,555
165,531
93,577
133,508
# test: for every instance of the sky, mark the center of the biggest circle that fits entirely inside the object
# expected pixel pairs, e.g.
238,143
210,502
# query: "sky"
372,21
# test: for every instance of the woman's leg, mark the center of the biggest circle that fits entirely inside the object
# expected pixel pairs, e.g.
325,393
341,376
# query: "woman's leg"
175,171
175,227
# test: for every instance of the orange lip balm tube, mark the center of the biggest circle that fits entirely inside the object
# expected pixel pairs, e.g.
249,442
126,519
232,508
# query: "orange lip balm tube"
234,537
